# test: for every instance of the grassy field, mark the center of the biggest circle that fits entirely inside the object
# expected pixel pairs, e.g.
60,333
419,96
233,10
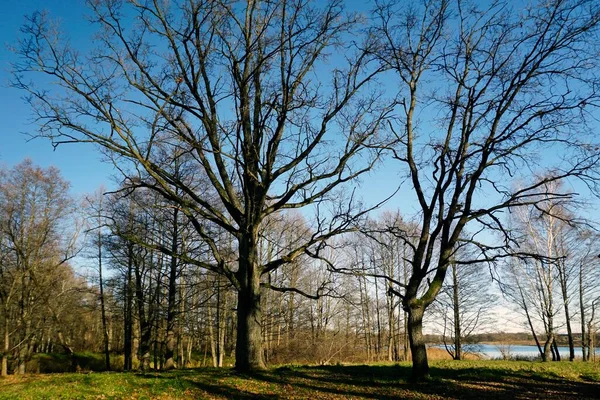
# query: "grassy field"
450,379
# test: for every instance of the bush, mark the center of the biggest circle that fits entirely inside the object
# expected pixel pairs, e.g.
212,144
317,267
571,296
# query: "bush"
88,361
45,363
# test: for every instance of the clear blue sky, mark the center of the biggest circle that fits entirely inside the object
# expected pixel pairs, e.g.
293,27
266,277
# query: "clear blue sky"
80,164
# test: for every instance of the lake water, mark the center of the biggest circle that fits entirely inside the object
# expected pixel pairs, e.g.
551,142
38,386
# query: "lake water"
492,351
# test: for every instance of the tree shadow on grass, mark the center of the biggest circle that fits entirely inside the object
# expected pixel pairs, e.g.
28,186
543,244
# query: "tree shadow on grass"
384,382
521,383
368,382
230,392
212,381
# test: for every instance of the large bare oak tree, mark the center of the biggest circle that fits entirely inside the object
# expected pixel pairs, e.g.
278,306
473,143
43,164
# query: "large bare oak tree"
254,92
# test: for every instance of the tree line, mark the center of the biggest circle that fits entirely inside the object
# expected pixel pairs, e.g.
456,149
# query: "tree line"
230,120
143,309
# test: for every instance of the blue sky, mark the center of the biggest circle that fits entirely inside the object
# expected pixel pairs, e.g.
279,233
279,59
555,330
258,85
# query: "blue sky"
80,164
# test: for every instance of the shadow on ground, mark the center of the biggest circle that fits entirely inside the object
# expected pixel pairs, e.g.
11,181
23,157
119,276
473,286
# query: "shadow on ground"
383,382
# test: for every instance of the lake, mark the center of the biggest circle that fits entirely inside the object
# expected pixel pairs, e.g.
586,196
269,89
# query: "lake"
492,351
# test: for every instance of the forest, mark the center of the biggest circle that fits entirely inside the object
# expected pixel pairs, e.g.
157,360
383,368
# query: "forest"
236,232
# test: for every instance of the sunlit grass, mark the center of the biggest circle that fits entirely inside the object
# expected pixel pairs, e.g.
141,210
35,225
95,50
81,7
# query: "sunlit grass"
450,379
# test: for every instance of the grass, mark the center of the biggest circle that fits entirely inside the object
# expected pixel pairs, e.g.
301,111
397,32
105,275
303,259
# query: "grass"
450,379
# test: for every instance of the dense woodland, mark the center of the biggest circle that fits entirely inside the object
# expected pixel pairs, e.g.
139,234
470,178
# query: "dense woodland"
241,131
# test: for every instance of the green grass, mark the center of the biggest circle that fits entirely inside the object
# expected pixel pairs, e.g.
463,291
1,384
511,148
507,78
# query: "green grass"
450,379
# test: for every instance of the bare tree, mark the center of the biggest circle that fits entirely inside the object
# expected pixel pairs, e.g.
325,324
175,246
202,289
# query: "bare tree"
96,210
246,90
8,290
483,92
524,294
37,241
570,250
464,307
385,254
587,289
540,229
552,234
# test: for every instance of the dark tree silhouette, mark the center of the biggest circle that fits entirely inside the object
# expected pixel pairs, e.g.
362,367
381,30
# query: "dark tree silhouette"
492,106
247,90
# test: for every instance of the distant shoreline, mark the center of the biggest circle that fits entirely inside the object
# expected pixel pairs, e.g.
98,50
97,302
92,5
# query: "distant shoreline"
511,343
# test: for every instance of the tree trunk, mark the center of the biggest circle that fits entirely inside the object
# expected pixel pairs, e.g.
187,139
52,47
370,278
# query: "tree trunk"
22,356
171,306
585,356
530,323
145,333
103,305
154,321
591,342
144,321
546,350
211,335
6,347
188,357
162,352
455,304
128,320
366,322
291,306
145,340
392,347
25,320
420,365
135,342
405,338
266,325
221,321
248,350
26,347
180,337
378,320
155,346
570,334
548,347
555,354
565,295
